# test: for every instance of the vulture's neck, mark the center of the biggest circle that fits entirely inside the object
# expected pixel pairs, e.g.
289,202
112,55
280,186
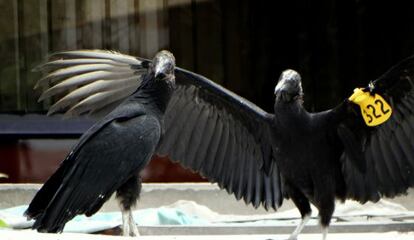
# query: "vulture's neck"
291,115
154,94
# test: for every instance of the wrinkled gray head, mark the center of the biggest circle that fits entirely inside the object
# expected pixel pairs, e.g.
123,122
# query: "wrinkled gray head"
289,87
163,65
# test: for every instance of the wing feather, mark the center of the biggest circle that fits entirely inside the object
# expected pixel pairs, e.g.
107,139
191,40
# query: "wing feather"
220,160
257,200
181,143
98,100
62,73
209,162
172,123
240,177
229,163
238,151
100,54
71,62
197,137
89,81
96,80
93,88
207,139
388,148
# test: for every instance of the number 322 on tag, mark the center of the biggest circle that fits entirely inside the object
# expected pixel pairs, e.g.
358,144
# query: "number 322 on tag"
375,110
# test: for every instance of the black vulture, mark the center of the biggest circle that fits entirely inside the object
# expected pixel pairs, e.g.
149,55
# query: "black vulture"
259,156
100,163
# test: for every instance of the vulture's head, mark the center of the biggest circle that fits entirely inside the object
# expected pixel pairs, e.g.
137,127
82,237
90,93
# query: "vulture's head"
289,87
163,66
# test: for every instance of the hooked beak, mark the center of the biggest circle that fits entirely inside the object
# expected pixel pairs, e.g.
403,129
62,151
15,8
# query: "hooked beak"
160,73
163,65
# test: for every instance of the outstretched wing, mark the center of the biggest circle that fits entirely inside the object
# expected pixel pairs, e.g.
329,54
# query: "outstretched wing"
222,136
207,128
379,161
89,81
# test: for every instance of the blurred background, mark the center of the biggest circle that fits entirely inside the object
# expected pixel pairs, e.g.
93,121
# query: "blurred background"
243,45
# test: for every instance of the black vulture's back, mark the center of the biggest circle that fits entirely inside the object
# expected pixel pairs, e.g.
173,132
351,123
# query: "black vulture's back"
106,157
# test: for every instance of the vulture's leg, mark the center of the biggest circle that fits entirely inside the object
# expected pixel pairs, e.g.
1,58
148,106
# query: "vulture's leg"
127,196
324,232
325,215
326,206
302,203
299,228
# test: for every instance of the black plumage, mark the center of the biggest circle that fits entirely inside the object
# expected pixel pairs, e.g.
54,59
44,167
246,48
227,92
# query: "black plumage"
109,156
261,157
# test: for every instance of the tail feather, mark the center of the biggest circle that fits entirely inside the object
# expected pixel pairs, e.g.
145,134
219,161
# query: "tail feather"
69,201
53,219
45,195
43,208
65,195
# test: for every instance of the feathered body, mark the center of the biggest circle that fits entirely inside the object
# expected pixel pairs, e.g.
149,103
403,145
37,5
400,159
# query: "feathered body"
107,158
307,148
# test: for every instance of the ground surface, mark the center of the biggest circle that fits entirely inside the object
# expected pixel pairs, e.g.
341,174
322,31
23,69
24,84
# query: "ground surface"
345,225
18,235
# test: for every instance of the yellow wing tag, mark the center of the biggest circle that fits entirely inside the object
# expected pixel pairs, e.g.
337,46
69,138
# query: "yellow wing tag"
375,110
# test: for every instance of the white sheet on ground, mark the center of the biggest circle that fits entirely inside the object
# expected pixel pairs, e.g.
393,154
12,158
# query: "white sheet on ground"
190,213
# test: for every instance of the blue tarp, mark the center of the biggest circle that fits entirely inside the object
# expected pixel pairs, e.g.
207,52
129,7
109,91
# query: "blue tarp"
105,220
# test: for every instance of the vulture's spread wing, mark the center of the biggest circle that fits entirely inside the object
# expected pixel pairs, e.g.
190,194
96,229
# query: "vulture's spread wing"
207,128
222,136
379,161
89,82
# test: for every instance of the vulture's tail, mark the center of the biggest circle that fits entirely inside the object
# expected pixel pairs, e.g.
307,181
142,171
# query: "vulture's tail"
39,206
